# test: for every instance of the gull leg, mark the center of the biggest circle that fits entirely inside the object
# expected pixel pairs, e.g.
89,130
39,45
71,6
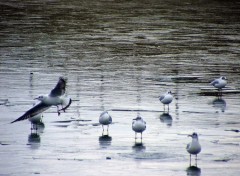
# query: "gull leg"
190,160
58,111
102,130
196,160
135,138
31,127
107,129
220,92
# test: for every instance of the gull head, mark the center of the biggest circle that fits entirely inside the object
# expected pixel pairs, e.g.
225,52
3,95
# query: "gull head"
194,135
223,78
40,98
138,118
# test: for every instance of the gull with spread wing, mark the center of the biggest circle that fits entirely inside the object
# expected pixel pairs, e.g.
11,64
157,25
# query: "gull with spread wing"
55,98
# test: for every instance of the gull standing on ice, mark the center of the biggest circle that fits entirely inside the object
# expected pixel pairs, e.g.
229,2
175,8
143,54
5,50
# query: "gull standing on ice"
194,147
166,99
36,121
55,98
105,119
219,83
138,125
37,118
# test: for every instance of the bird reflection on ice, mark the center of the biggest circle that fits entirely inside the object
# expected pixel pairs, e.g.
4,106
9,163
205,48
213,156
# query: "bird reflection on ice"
105,140
34,140
139,147
193,171
219,103
166,118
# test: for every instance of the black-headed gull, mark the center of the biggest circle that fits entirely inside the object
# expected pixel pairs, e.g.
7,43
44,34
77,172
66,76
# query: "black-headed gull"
194,147
166,99
105,119
219,83
138,125
55,98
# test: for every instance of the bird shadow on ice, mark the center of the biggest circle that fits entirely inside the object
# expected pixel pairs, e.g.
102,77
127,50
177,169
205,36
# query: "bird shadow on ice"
193,171
138,147
166,118
34,140
105,141
219,104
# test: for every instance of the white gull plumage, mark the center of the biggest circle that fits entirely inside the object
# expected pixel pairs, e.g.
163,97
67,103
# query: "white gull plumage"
220,82
166,99
55,98
194,148
138,125
105,119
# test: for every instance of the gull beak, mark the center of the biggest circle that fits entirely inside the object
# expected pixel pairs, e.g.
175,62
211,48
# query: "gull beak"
190,135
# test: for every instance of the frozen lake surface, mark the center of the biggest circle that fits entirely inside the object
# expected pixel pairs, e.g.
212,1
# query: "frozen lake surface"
120,56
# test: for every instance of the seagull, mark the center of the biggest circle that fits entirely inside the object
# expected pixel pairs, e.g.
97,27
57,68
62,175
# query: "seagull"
105,119
219,83
194,147
55,98
138,125
36,121
166,99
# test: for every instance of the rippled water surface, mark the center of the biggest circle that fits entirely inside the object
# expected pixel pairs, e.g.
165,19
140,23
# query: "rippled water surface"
120,56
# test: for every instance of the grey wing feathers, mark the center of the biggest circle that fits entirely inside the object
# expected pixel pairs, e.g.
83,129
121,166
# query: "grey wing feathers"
110,119
161,98
33,111
214,82
59,89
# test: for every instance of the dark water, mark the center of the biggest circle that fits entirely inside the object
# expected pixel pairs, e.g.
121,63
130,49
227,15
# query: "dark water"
120,56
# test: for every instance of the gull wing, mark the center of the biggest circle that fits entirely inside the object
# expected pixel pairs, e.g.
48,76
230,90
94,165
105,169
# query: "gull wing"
59,89
214,82
39,108
161,97
110,119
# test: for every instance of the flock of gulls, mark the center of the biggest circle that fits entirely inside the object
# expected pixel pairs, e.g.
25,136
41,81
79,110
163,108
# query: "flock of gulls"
57,97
